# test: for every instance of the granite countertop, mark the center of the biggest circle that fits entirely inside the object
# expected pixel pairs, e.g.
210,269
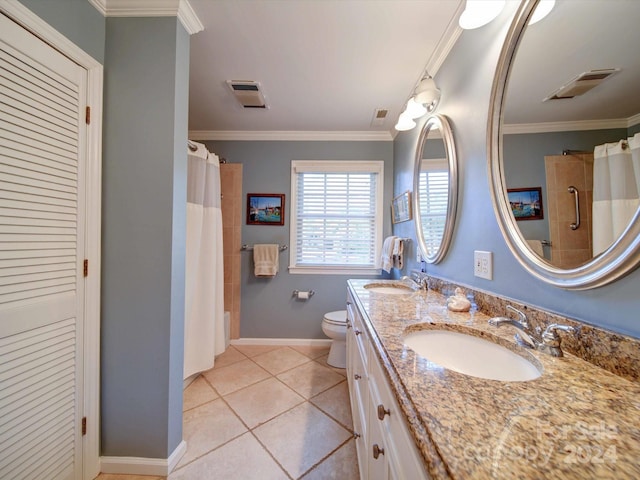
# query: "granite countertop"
575,421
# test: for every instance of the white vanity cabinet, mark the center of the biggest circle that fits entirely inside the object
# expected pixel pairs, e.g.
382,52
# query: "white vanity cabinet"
385,448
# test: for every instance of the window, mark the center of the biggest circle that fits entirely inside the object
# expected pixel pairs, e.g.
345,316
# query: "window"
433,200
336,216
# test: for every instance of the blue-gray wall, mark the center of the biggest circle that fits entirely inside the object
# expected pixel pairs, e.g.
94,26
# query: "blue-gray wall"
77,20
144,209
268,309
465,79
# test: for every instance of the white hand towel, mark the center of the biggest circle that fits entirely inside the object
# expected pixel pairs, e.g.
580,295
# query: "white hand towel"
536,246
386,259
266,259
398,253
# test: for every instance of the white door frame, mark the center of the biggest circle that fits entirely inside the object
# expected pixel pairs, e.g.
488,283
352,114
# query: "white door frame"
93,155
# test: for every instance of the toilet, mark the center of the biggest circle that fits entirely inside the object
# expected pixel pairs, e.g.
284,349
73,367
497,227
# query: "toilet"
334,326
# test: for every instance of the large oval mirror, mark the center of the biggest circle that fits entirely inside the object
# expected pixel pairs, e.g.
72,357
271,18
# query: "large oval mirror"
564,148
435,188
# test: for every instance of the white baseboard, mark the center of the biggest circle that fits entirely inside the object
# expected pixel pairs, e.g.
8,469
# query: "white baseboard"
292,342
143,466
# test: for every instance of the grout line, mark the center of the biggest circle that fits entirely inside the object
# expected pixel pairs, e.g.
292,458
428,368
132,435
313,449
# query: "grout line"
320,462
302,402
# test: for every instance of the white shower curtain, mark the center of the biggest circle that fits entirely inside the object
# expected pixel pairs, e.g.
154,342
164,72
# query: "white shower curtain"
204,336
616,187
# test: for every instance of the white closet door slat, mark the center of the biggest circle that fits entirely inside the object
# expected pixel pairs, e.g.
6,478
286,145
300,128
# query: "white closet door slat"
18,159
19,112
21,140
38,156
12,89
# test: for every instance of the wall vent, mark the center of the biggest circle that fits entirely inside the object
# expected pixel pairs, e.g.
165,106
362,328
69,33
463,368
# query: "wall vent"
379,116
248,93
582,84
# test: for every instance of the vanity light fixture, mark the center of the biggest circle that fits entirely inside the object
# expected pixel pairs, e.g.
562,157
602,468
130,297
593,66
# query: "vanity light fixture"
425,100
427,93
414,109
480,12
542,10
405,122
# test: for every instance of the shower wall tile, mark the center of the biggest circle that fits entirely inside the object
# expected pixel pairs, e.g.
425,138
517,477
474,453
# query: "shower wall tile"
231,185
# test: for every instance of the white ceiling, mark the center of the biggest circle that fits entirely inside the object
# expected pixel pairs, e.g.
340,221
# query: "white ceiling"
324,65
578,36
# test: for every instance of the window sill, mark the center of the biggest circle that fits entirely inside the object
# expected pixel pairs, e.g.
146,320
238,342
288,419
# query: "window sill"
318,270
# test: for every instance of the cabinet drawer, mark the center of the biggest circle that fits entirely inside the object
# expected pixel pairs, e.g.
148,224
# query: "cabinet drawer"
406,461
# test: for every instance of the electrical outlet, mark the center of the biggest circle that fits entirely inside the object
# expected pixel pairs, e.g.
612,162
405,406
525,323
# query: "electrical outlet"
483,264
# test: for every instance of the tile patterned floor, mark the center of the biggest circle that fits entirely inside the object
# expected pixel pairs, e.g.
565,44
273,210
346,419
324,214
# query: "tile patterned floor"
266,412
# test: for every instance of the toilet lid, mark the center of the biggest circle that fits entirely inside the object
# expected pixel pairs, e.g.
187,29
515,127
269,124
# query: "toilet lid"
339,317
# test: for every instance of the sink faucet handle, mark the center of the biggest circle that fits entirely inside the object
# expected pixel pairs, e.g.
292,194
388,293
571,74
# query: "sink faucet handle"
551,330
522,318
551,340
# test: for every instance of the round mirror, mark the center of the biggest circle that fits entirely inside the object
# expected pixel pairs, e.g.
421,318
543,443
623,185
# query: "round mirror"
564,147
435,188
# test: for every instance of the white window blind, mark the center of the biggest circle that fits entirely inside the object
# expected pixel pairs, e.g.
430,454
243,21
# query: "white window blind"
433,200
336,221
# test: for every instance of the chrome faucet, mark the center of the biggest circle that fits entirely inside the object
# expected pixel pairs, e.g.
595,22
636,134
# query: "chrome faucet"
419,281
547,341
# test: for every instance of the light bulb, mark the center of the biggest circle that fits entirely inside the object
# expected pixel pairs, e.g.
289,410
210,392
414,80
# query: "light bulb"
542,10
414,109
404,123
480,12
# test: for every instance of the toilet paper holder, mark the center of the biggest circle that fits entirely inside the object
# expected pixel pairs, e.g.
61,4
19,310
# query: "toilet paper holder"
303,294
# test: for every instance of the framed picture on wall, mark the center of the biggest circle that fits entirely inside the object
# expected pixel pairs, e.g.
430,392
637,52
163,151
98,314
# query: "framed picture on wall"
265,209
526,203
401,207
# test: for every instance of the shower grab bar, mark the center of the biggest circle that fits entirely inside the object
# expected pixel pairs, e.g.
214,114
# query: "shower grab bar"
574,191
250,247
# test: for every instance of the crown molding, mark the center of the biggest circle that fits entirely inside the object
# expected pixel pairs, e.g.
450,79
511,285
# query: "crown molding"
151,8
292,136
565,126
446,43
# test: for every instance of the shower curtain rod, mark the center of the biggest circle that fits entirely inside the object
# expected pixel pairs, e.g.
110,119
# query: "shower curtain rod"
193,147
624,145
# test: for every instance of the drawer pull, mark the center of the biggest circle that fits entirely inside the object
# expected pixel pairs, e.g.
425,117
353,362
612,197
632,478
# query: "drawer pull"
377,451
357,332
382,412
357,377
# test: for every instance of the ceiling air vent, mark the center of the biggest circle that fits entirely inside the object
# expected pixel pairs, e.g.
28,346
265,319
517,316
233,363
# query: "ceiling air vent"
582,84
248,93
379,116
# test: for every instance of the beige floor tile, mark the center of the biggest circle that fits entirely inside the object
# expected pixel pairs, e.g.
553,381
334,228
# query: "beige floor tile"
241,459
280,360
207,427
323,361
310,379
234,377
335,402
262,401
301,437
231,355
112,476
198,393
253,350
312,351
341,465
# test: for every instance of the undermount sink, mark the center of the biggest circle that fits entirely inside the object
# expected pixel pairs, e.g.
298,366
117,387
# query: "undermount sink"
471,355
389,288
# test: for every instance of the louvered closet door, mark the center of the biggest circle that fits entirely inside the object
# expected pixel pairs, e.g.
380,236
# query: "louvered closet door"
42,95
